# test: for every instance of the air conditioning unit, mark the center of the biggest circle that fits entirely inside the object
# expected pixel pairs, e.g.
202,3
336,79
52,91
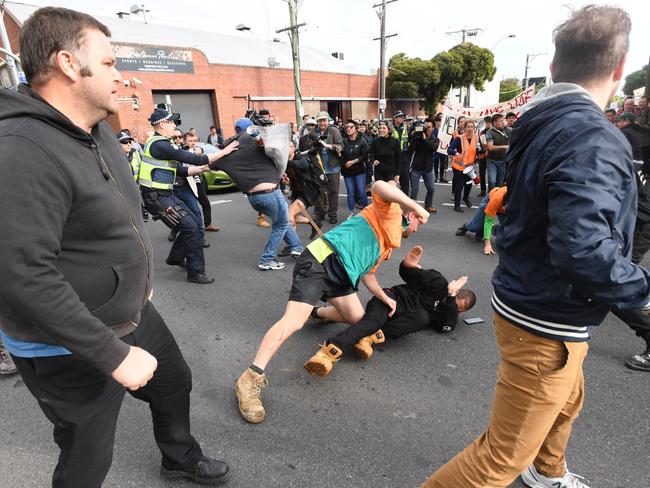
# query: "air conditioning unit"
338,56
272,62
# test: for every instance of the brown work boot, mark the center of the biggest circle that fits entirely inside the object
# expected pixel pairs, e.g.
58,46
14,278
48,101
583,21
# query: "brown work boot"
323,361
249,393
431,210
261,221
363,348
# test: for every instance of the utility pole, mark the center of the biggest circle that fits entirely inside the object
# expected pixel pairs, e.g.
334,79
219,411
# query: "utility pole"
295,53
382,55
529,58
4,38
468,33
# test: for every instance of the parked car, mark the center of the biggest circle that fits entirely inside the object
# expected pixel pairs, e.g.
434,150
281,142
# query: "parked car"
216,180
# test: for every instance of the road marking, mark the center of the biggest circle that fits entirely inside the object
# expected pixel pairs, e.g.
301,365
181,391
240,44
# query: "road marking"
451,205
217,202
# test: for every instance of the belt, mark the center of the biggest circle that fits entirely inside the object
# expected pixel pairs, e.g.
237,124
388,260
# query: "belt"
262,192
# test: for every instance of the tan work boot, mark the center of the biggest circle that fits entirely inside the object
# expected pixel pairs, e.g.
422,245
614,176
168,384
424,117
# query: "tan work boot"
249,394
261,221
323,361
363,348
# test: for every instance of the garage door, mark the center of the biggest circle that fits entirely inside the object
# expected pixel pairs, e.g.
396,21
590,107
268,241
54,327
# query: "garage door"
195,109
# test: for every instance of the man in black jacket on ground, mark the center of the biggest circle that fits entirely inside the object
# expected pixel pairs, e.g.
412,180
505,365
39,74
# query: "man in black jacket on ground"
76,261
426,300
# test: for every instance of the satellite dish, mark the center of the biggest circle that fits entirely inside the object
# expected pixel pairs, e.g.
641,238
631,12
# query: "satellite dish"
135,9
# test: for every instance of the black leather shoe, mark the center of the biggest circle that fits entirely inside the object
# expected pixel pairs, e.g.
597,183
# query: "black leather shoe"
458,209
333,220
468,203
478,236
172,262
461,231
200,279
172,235
207,472
206,244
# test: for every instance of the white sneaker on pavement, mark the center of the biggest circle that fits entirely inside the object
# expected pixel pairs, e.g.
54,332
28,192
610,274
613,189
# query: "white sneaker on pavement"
275,265
534,479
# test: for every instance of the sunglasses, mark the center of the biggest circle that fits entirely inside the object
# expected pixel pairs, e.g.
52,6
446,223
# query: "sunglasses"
125,143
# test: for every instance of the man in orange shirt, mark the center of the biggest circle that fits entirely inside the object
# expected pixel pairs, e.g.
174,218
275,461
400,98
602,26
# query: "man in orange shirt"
483,220
330,269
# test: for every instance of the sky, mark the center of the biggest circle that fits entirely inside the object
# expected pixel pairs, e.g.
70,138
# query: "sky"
349,26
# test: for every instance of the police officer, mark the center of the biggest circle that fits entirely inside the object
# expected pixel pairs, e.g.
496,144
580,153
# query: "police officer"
400,132
158,170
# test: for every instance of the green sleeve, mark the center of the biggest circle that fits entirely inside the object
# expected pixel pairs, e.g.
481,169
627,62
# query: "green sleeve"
487,227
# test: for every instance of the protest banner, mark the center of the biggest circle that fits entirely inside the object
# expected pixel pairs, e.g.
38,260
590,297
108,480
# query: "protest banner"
453,110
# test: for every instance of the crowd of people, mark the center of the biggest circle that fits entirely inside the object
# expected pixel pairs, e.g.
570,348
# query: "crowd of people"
75,310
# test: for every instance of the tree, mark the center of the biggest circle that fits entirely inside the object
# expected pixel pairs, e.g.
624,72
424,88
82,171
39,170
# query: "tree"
635,80
463,65
509,88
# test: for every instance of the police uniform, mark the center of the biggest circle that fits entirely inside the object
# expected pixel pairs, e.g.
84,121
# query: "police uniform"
156,178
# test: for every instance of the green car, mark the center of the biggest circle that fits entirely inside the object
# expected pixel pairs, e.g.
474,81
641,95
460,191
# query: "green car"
217,180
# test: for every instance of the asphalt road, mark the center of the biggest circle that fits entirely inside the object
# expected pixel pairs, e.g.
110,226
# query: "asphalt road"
385,423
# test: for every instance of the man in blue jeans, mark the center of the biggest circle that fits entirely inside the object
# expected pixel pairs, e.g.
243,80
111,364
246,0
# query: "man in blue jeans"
257,176
497,145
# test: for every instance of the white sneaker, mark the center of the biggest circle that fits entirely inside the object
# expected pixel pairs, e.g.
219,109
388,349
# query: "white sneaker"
533,479
275,265
349,216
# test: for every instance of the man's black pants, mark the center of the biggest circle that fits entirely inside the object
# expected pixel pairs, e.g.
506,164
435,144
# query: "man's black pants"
405,173
201,189
83,404
459,186
375,318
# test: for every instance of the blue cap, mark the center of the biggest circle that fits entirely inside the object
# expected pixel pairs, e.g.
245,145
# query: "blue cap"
242,124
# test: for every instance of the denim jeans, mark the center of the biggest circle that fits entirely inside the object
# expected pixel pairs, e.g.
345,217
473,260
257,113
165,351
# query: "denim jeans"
356,187
496,173
275,207
476,223
427,176
186,195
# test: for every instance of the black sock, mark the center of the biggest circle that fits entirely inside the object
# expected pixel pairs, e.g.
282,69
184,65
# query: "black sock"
255,369
314,313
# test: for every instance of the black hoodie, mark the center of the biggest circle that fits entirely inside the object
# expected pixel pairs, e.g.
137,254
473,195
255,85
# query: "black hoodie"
75,260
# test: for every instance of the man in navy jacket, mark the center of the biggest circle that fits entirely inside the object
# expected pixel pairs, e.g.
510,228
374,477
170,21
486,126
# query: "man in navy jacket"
564,259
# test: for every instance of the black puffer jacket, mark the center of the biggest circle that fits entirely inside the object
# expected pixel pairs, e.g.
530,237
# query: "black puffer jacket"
357,149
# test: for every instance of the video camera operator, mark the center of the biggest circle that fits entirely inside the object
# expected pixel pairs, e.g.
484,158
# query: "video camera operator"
422,146
257,176
158,170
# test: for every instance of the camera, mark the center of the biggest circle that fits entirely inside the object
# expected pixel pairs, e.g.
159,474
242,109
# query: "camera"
418,126
255,118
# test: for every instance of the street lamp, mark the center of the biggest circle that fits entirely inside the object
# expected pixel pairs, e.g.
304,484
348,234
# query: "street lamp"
506,37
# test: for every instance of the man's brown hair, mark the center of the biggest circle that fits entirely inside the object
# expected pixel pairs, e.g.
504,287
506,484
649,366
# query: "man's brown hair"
50,30
590,44
468,297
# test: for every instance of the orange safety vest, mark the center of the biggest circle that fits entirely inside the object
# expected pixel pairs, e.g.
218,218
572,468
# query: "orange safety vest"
467,156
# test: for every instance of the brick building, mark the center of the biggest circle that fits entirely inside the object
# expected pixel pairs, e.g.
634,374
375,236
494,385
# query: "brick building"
212,78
